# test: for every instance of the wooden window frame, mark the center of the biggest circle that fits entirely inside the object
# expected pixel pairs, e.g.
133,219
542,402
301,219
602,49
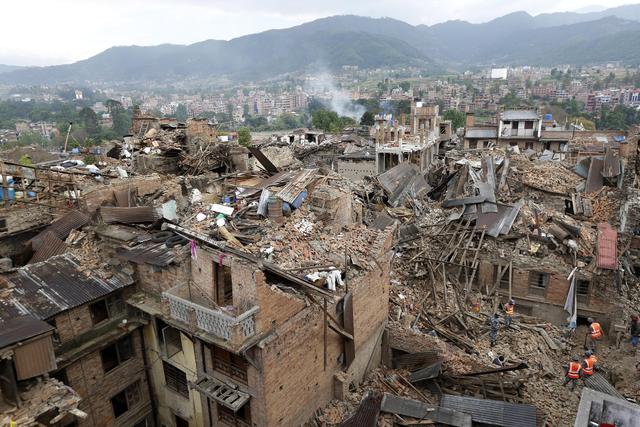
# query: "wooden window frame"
119,347
175,379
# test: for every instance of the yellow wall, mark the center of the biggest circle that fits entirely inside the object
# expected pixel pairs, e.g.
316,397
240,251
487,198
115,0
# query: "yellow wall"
168,401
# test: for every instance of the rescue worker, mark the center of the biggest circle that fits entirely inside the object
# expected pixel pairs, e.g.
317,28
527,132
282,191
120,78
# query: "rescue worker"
573,372
508,310
495,325
588,364
594,334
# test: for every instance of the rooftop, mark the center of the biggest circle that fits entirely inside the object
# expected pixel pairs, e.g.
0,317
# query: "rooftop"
58,284
519,115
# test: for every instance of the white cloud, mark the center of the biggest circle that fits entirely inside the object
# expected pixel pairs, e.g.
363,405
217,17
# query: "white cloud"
42,32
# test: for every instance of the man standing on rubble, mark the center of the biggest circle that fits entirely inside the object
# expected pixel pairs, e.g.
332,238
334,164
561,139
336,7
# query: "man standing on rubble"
508,310
588,364
495,325
594,334
573,372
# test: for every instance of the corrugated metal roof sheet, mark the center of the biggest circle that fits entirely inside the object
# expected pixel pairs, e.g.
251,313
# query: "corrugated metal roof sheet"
367,413
21,328
132,215
594,178
599,383
61,227
492,412
50,245
56,285
607,247
147,253
291,191
402,180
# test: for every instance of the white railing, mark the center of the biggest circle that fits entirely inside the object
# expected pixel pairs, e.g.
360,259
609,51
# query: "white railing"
212,321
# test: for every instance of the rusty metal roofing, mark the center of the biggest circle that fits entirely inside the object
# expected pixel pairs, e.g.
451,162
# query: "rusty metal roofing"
595,180
21,328
401,181
147,253
56,285
492,412
367,413
132,215
50,245
298,184
415,361
607,247
61,227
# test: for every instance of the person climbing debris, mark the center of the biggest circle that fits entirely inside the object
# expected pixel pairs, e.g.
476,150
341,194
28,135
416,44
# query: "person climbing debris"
595,334
508,311
574,372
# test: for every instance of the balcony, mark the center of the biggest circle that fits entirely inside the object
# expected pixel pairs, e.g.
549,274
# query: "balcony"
199,314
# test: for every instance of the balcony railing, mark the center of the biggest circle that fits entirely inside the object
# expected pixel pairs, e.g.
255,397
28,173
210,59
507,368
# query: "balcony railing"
235,329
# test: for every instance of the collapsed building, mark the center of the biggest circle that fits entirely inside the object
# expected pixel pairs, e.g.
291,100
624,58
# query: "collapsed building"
189,282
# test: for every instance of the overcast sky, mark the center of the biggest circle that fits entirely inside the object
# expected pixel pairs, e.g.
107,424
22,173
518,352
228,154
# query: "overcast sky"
44,32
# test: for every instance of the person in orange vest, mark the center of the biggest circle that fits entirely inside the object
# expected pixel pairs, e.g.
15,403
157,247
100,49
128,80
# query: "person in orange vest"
594,334
508,310
588,364
574,372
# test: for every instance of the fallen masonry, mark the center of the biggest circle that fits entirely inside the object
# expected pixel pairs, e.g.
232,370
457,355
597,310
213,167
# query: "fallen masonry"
191,281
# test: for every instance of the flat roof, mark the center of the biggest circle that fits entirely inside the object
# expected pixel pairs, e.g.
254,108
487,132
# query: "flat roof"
481,133
519,115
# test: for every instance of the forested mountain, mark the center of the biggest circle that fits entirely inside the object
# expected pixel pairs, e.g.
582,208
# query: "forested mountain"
328,43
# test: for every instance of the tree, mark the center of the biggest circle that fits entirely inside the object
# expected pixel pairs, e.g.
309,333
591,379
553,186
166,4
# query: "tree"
121,122
244,137
328,121
367,119
315,105
181,113
25,160
405,86
458,118
89,120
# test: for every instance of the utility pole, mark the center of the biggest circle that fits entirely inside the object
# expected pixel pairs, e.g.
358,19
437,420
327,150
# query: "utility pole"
66,140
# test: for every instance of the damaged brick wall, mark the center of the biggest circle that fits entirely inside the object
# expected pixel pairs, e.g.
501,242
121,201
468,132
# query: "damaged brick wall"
88,379
104,194
295,382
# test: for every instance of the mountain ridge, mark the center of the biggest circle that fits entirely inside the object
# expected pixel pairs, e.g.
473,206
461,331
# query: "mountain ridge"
331,42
